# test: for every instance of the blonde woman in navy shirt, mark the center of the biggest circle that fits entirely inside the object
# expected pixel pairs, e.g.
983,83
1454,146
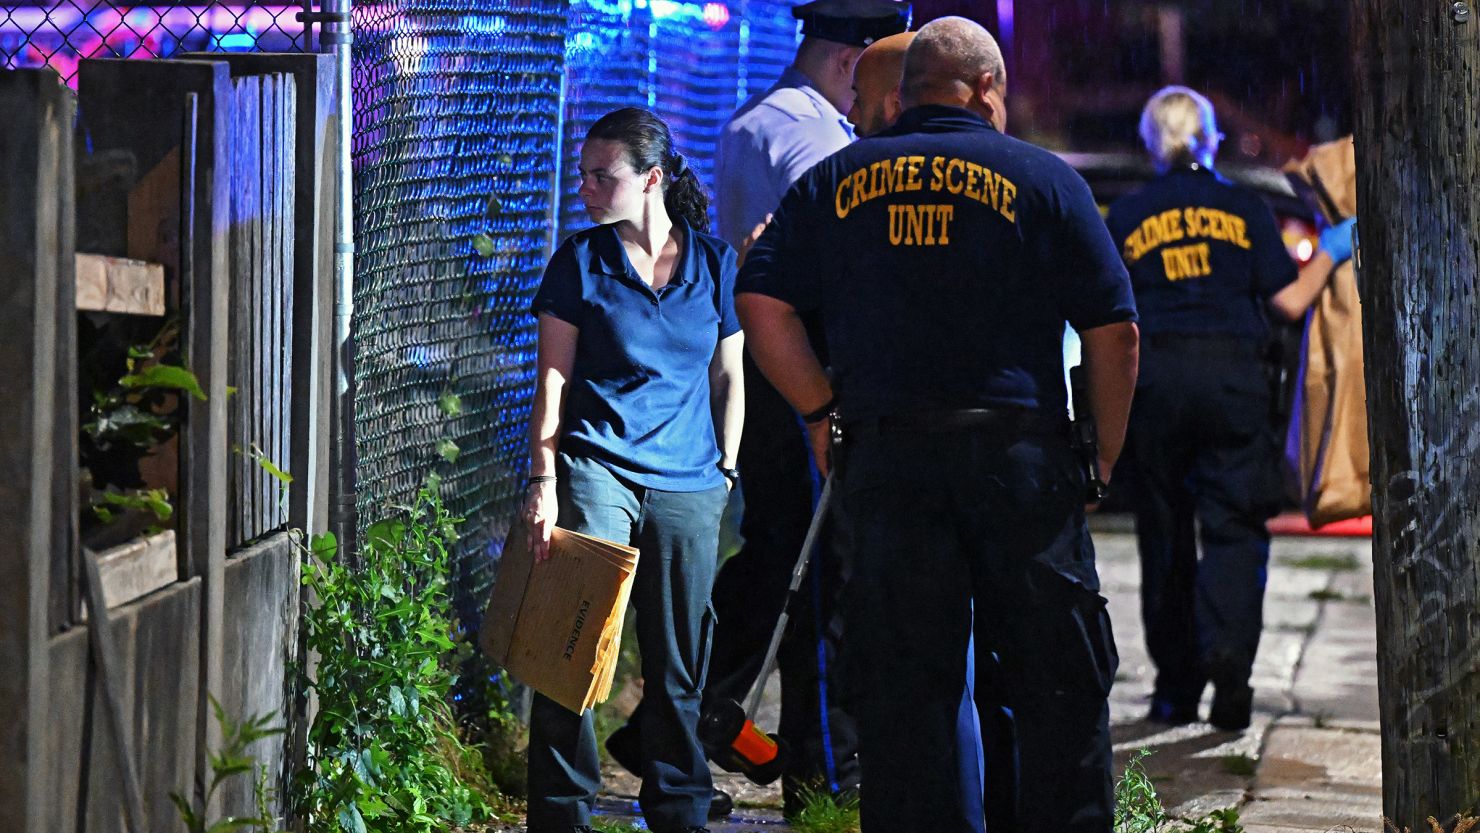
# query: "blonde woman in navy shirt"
636,426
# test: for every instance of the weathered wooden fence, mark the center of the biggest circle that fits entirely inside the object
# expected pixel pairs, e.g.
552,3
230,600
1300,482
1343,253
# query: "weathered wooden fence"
212,168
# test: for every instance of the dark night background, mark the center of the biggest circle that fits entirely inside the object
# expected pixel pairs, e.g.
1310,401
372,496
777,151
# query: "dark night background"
1079,71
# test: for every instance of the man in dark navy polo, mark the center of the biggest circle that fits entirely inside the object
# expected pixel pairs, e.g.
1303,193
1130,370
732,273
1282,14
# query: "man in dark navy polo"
945,259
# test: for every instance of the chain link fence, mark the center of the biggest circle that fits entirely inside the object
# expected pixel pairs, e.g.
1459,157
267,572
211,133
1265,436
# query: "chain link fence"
467,119
691,63
456,118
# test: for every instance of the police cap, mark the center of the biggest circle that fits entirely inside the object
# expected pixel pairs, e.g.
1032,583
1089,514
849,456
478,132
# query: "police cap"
852,22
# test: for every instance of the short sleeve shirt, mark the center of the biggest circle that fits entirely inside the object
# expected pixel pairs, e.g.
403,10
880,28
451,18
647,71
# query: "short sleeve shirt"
773,139
638,399
1204,255
945,259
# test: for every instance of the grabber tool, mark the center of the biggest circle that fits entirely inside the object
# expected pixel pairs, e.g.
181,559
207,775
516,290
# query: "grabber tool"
727,730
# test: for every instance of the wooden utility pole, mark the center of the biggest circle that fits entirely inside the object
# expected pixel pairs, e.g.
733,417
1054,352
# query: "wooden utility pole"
1417,101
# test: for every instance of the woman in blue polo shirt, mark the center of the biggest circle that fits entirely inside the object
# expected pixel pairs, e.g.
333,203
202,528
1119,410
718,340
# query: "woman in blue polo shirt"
634,434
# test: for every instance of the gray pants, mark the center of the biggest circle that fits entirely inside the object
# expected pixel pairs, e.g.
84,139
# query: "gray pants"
677,534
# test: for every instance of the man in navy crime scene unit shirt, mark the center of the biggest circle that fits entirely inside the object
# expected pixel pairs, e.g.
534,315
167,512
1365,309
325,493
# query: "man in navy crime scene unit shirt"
648,347
945,259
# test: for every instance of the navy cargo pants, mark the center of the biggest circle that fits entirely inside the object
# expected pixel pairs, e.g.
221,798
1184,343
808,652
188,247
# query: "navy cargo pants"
677,534
1204,464
942,522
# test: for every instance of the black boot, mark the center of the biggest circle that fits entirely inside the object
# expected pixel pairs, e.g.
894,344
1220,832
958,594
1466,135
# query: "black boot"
1233,706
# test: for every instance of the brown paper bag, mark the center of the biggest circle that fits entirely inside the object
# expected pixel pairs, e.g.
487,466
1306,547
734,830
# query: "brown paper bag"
1328,434
557,626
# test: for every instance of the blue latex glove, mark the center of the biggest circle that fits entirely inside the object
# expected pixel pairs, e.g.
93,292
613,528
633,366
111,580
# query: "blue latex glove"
1336,241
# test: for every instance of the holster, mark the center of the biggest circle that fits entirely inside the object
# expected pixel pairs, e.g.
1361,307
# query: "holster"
1277,376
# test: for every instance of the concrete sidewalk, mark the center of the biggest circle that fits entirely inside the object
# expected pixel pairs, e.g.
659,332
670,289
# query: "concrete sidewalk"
1309,762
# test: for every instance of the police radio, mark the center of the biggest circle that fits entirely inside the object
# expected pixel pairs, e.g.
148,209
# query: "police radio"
1084,437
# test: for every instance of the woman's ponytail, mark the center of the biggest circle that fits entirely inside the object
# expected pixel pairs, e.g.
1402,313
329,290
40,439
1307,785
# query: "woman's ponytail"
650,145
685,197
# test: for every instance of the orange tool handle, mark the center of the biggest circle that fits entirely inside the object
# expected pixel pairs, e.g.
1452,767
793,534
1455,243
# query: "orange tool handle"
754,745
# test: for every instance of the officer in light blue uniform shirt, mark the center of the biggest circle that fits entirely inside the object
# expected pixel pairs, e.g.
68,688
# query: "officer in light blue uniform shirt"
777,135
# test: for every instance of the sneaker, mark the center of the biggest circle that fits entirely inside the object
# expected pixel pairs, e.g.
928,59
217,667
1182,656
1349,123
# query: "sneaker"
1233,708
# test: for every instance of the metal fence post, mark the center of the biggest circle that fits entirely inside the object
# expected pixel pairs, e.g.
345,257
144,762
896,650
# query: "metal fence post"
335,37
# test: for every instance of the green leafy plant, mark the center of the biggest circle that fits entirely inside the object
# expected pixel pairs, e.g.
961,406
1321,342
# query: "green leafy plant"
384,750
127,419
156,501
1138,809
601,825
823,812
230,761
128,413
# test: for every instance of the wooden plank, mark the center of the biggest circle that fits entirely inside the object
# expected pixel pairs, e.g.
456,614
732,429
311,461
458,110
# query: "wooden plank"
105,657
154,218
35,147
262,605
159,649
312,228
262,336
143,106
118,284
136,569
66,560
283,277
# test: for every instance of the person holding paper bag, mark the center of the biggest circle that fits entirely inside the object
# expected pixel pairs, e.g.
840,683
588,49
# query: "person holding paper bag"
634,433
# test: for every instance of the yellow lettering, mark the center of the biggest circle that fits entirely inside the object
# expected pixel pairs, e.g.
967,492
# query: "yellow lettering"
991,187
946,213
928,213
860,179
912,175
973,188
896,224
937,173
842,209
1192,218
1183,262
1009,193
1205,258
1173,221
896,176
915,234
1171,263
877,172
1240,229
955,185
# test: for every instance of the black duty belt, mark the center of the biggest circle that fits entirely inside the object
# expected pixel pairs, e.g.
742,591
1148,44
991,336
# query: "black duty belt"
995,420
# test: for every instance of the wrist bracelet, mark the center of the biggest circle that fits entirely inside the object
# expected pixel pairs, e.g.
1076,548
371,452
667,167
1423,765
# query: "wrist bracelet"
539,478
821,413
